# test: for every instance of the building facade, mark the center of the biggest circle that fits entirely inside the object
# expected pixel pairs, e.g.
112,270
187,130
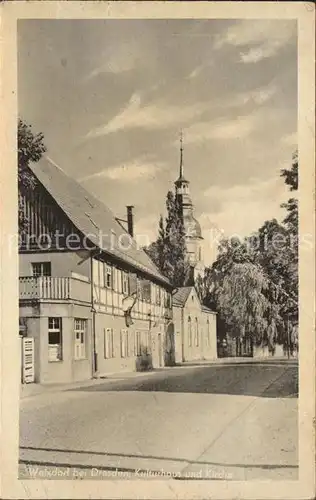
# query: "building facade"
195,327
92,300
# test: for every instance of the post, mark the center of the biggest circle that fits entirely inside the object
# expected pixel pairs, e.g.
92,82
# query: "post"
288,337
130,220
95,355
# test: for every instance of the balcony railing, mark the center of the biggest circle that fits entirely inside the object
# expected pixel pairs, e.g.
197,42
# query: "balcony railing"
53,288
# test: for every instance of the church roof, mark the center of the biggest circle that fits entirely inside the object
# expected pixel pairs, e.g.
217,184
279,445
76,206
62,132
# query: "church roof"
181,295
92,217
192,227
181,179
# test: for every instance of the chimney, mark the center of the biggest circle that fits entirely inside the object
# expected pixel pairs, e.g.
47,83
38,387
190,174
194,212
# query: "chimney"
130,220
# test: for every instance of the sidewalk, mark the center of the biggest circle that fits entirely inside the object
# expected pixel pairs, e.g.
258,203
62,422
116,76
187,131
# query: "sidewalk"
31,390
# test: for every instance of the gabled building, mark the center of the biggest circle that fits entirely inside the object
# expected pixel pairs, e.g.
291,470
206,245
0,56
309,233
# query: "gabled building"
91,299
195,327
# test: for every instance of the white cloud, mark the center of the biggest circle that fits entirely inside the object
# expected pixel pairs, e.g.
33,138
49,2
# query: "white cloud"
245,207
267,36
152,116
146,229
237,128
124,58
196,72
133,171
290,139
259,96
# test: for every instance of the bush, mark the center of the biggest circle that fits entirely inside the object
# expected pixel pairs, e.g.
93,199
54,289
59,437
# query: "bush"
144,361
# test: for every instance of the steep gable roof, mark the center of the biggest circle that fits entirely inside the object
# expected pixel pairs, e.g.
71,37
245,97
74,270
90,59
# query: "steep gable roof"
92,217
181,295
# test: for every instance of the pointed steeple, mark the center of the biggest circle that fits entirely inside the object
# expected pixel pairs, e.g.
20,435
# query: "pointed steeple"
181,155
181,176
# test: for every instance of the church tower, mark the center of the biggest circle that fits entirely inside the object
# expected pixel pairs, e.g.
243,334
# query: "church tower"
192,228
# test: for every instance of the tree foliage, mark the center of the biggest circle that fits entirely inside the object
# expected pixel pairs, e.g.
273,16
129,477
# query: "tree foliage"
168,252
253,284
30,149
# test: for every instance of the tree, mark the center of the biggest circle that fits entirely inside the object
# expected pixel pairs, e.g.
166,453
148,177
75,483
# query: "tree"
253,284
291,224
242,301
291,175
30,149
157,249
168,252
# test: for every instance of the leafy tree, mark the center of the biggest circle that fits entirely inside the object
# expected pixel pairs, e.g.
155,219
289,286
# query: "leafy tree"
291,221
30,149
253,284
291,175
168,252
201,286
242,301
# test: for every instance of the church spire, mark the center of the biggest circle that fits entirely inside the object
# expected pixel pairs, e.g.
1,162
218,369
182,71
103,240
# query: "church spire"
181,155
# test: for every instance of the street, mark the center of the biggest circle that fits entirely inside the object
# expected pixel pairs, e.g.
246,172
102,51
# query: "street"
236,421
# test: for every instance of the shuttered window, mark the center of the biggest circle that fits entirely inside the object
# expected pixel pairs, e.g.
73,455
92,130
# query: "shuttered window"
108,343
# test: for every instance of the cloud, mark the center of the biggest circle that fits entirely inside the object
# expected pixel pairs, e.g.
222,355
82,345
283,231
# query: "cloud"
152,116
132,171
146,229
237,128
259,96
196,72
123,59
244,207
199,69
290,139
266,36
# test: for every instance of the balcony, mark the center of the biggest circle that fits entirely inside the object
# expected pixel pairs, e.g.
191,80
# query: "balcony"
53,288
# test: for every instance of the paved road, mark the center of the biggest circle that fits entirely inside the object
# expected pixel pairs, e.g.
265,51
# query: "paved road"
236,421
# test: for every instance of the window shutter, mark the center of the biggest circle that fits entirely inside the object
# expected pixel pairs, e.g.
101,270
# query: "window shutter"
146,290
132,283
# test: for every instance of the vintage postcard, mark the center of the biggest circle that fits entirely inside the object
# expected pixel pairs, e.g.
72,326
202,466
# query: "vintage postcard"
158,250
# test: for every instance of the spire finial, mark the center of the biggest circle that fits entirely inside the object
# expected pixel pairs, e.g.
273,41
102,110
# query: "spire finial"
181,154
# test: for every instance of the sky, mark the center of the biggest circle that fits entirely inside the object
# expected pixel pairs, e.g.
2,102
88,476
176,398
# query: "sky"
111,97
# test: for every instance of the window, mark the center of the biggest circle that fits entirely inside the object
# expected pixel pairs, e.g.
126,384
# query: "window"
108,276
168,300
196,332
137,343
125,287
114,278
124,344
54,339
108,343
208,333
200,254
80,338
119,282
131,343
139,289
189,332
101,274
41,269
158,296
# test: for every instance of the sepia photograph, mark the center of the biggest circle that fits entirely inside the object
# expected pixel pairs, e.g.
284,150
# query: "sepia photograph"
159,228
